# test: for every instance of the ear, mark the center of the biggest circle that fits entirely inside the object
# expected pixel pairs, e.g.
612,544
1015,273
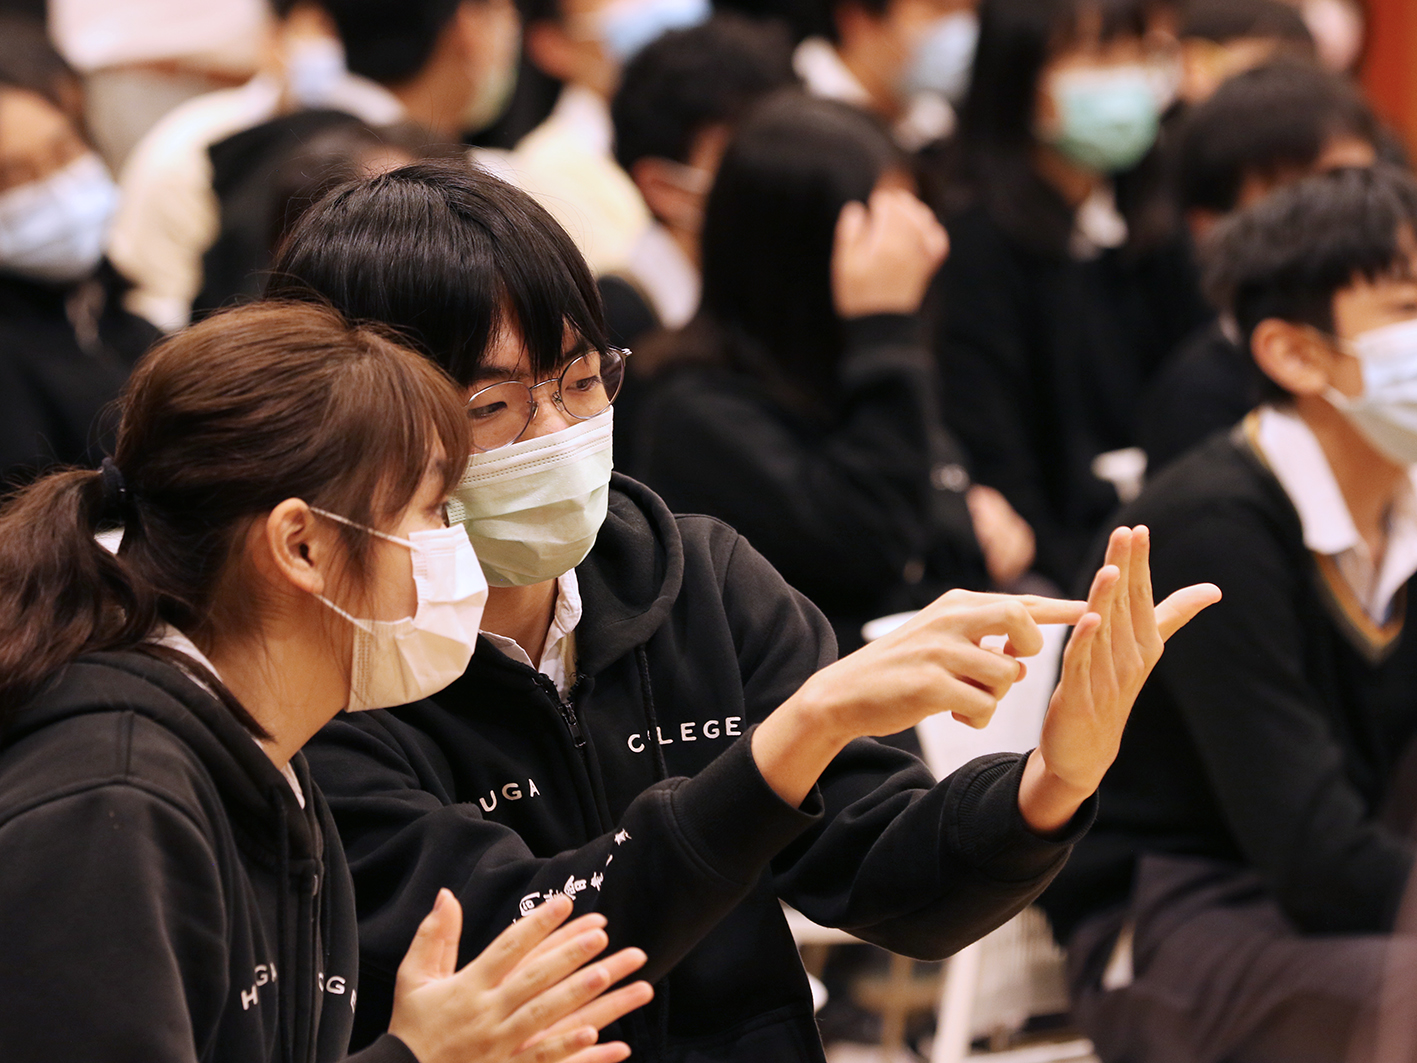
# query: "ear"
1295,357
294,547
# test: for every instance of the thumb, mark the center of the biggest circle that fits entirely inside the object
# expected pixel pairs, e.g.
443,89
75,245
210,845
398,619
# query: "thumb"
851,225
434,951
1181,608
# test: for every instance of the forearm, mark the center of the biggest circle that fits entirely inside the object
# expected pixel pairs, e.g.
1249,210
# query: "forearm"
1046,802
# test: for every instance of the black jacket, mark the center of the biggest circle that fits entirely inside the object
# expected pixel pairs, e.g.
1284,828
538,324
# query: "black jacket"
864,513
1269,734
501,793
1043,360
165,898
65,353
1206,386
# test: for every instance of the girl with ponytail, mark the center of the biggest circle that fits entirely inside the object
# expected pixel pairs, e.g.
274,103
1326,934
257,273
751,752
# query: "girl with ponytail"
173,886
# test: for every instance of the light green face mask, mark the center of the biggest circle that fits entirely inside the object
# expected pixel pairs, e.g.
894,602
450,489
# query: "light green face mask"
1107,119
534,508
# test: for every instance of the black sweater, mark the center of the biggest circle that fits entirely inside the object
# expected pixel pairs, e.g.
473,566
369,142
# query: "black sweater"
1205,387
65,353
165,897
864,513
499,792
1043,361
1269,732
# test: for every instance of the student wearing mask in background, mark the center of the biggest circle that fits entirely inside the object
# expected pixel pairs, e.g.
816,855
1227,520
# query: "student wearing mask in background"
442,64
673,113
801,404
1263,129
174,888
567,162
641,728
1236,899
906,61
1223,38
1067,283
66,343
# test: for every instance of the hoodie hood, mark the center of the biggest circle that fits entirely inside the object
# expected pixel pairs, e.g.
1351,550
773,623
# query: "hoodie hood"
632,599
254,792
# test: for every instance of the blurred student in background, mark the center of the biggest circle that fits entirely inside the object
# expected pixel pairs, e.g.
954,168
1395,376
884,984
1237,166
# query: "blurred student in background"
1223,38
1262,129
568,162
66,343
1236,900
442,64
1067,283
800,405
674,111
906,61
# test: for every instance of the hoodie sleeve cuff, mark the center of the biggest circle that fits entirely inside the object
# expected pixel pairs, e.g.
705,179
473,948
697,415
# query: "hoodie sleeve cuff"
733,819
387,1049
884,330
988,829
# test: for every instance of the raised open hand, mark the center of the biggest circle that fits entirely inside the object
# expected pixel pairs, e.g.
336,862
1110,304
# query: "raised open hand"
526,999
1113,649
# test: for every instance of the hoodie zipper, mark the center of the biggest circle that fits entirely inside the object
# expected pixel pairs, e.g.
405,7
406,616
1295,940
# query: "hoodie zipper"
565,708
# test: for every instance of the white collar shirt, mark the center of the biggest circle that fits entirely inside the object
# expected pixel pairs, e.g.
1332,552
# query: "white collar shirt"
1299,464
558,657
664,273
927,118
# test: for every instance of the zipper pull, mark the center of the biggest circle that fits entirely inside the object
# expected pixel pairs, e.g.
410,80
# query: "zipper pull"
573,723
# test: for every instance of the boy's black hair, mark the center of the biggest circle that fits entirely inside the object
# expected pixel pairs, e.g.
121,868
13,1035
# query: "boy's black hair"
389,41
1264,121
1287,256
448,256
1232,20
693,78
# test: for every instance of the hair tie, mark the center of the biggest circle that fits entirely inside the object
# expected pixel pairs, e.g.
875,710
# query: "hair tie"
115,500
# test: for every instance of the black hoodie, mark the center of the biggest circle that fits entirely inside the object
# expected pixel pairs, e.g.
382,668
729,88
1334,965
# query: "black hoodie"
165,897
498,791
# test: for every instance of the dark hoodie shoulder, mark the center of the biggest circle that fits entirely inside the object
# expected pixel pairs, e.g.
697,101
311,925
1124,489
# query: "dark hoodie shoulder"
150,847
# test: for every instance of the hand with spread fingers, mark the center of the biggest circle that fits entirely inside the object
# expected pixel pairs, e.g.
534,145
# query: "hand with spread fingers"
1111,652
936,663
528,998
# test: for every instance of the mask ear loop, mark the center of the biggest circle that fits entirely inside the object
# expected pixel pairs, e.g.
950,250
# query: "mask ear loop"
361,527
363,625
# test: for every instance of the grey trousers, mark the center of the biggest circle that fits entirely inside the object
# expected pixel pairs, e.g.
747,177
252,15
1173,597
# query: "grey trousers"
1220,975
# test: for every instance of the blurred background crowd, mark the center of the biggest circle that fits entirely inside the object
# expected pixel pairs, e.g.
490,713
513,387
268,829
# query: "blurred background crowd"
956,387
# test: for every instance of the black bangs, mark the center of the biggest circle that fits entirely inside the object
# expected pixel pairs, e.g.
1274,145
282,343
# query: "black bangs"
448,256
1288,256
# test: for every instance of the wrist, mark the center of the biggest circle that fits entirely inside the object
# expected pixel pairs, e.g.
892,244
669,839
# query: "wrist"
1047,801
794,745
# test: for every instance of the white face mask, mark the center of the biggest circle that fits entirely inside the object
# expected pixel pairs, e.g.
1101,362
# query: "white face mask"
943,58
1386,412
534,508
399,661
54,230
623,27
314,67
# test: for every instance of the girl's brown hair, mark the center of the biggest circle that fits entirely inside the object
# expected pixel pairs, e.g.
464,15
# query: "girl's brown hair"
220,424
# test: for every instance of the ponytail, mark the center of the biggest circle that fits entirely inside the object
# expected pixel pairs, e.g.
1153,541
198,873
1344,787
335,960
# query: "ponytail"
61,592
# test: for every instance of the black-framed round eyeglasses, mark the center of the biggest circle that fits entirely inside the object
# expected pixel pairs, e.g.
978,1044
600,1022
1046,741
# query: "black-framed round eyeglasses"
501,412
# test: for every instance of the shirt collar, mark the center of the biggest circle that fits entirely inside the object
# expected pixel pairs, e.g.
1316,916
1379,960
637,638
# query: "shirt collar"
665,274
584,116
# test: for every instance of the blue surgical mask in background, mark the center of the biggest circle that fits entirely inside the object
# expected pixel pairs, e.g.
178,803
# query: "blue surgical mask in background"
54,230
314,66
1107,118
942,60
625,26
